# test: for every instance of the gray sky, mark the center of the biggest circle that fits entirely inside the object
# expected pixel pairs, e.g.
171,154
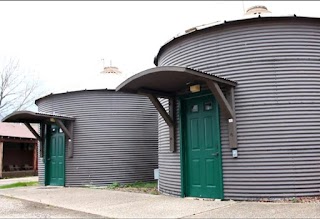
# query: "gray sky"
64,42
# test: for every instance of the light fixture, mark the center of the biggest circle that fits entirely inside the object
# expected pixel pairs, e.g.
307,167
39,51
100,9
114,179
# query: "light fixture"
195,88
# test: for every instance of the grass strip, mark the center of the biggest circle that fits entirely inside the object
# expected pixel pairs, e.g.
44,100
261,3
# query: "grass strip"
19,184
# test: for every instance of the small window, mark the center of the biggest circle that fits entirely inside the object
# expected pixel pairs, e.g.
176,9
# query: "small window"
194,108
208,106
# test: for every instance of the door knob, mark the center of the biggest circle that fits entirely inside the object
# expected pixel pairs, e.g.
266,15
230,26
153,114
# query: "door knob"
215,154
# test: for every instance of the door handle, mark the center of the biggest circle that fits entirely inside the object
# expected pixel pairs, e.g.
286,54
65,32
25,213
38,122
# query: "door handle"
48,159
215,154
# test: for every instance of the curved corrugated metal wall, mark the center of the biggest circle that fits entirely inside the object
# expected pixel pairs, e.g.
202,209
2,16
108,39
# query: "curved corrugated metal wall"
115,136
276,63
169,163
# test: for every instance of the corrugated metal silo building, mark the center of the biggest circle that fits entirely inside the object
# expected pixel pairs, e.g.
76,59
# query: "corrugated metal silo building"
94,137
240,108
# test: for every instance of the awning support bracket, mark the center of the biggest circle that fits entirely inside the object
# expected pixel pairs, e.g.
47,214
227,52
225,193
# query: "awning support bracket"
169,118
69,134
33,131
228,108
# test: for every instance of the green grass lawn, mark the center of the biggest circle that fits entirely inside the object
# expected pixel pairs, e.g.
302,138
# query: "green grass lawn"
19,184
140,187
149,185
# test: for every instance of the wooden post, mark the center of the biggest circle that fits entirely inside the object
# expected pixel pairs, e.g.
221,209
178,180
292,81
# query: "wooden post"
172,129
70,140
1,158
232,123
35,157
43,137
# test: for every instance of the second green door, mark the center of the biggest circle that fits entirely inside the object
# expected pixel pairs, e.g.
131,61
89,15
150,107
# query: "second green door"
55,165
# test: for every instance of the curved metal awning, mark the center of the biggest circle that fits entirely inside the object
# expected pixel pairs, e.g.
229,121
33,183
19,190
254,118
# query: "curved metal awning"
34,117
172,81
27,117
169,80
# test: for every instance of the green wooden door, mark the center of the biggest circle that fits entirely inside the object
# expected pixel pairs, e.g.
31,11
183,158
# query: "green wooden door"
203,169
56,157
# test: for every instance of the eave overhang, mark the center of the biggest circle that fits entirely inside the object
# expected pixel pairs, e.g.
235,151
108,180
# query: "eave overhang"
64,122
34,117
169,80
172,81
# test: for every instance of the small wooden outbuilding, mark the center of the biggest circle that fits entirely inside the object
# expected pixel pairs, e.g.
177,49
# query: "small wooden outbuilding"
18,151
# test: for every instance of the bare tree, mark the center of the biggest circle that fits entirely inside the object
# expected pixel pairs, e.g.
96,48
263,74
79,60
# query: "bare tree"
18,90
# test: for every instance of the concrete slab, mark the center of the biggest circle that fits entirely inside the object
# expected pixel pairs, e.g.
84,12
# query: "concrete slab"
18,208
264,210
20,179
115,204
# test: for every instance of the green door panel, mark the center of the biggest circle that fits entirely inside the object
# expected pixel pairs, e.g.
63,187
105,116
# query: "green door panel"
202,162
55,165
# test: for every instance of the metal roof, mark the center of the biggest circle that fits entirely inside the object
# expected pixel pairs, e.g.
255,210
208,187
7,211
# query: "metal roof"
168,80
33,117
67,92
15,130
224,22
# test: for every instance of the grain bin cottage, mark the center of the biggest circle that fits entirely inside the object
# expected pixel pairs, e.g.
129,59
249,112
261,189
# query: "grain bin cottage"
240,108
94,137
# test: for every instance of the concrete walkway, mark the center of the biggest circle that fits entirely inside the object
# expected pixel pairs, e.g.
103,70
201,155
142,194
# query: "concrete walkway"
20,179
116,204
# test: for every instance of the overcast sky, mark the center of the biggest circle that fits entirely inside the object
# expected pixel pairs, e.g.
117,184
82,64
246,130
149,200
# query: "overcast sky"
64,42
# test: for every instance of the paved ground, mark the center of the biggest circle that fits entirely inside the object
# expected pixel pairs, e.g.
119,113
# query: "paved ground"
14,180
264,210
15,208
117,204
114,204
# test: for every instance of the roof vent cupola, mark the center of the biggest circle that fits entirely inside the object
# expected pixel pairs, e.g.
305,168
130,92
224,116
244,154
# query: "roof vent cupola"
256,10
110,69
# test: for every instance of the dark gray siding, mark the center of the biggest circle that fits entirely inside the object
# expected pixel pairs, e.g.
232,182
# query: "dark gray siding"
169,163
277,66
40,170
115,136
40,165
